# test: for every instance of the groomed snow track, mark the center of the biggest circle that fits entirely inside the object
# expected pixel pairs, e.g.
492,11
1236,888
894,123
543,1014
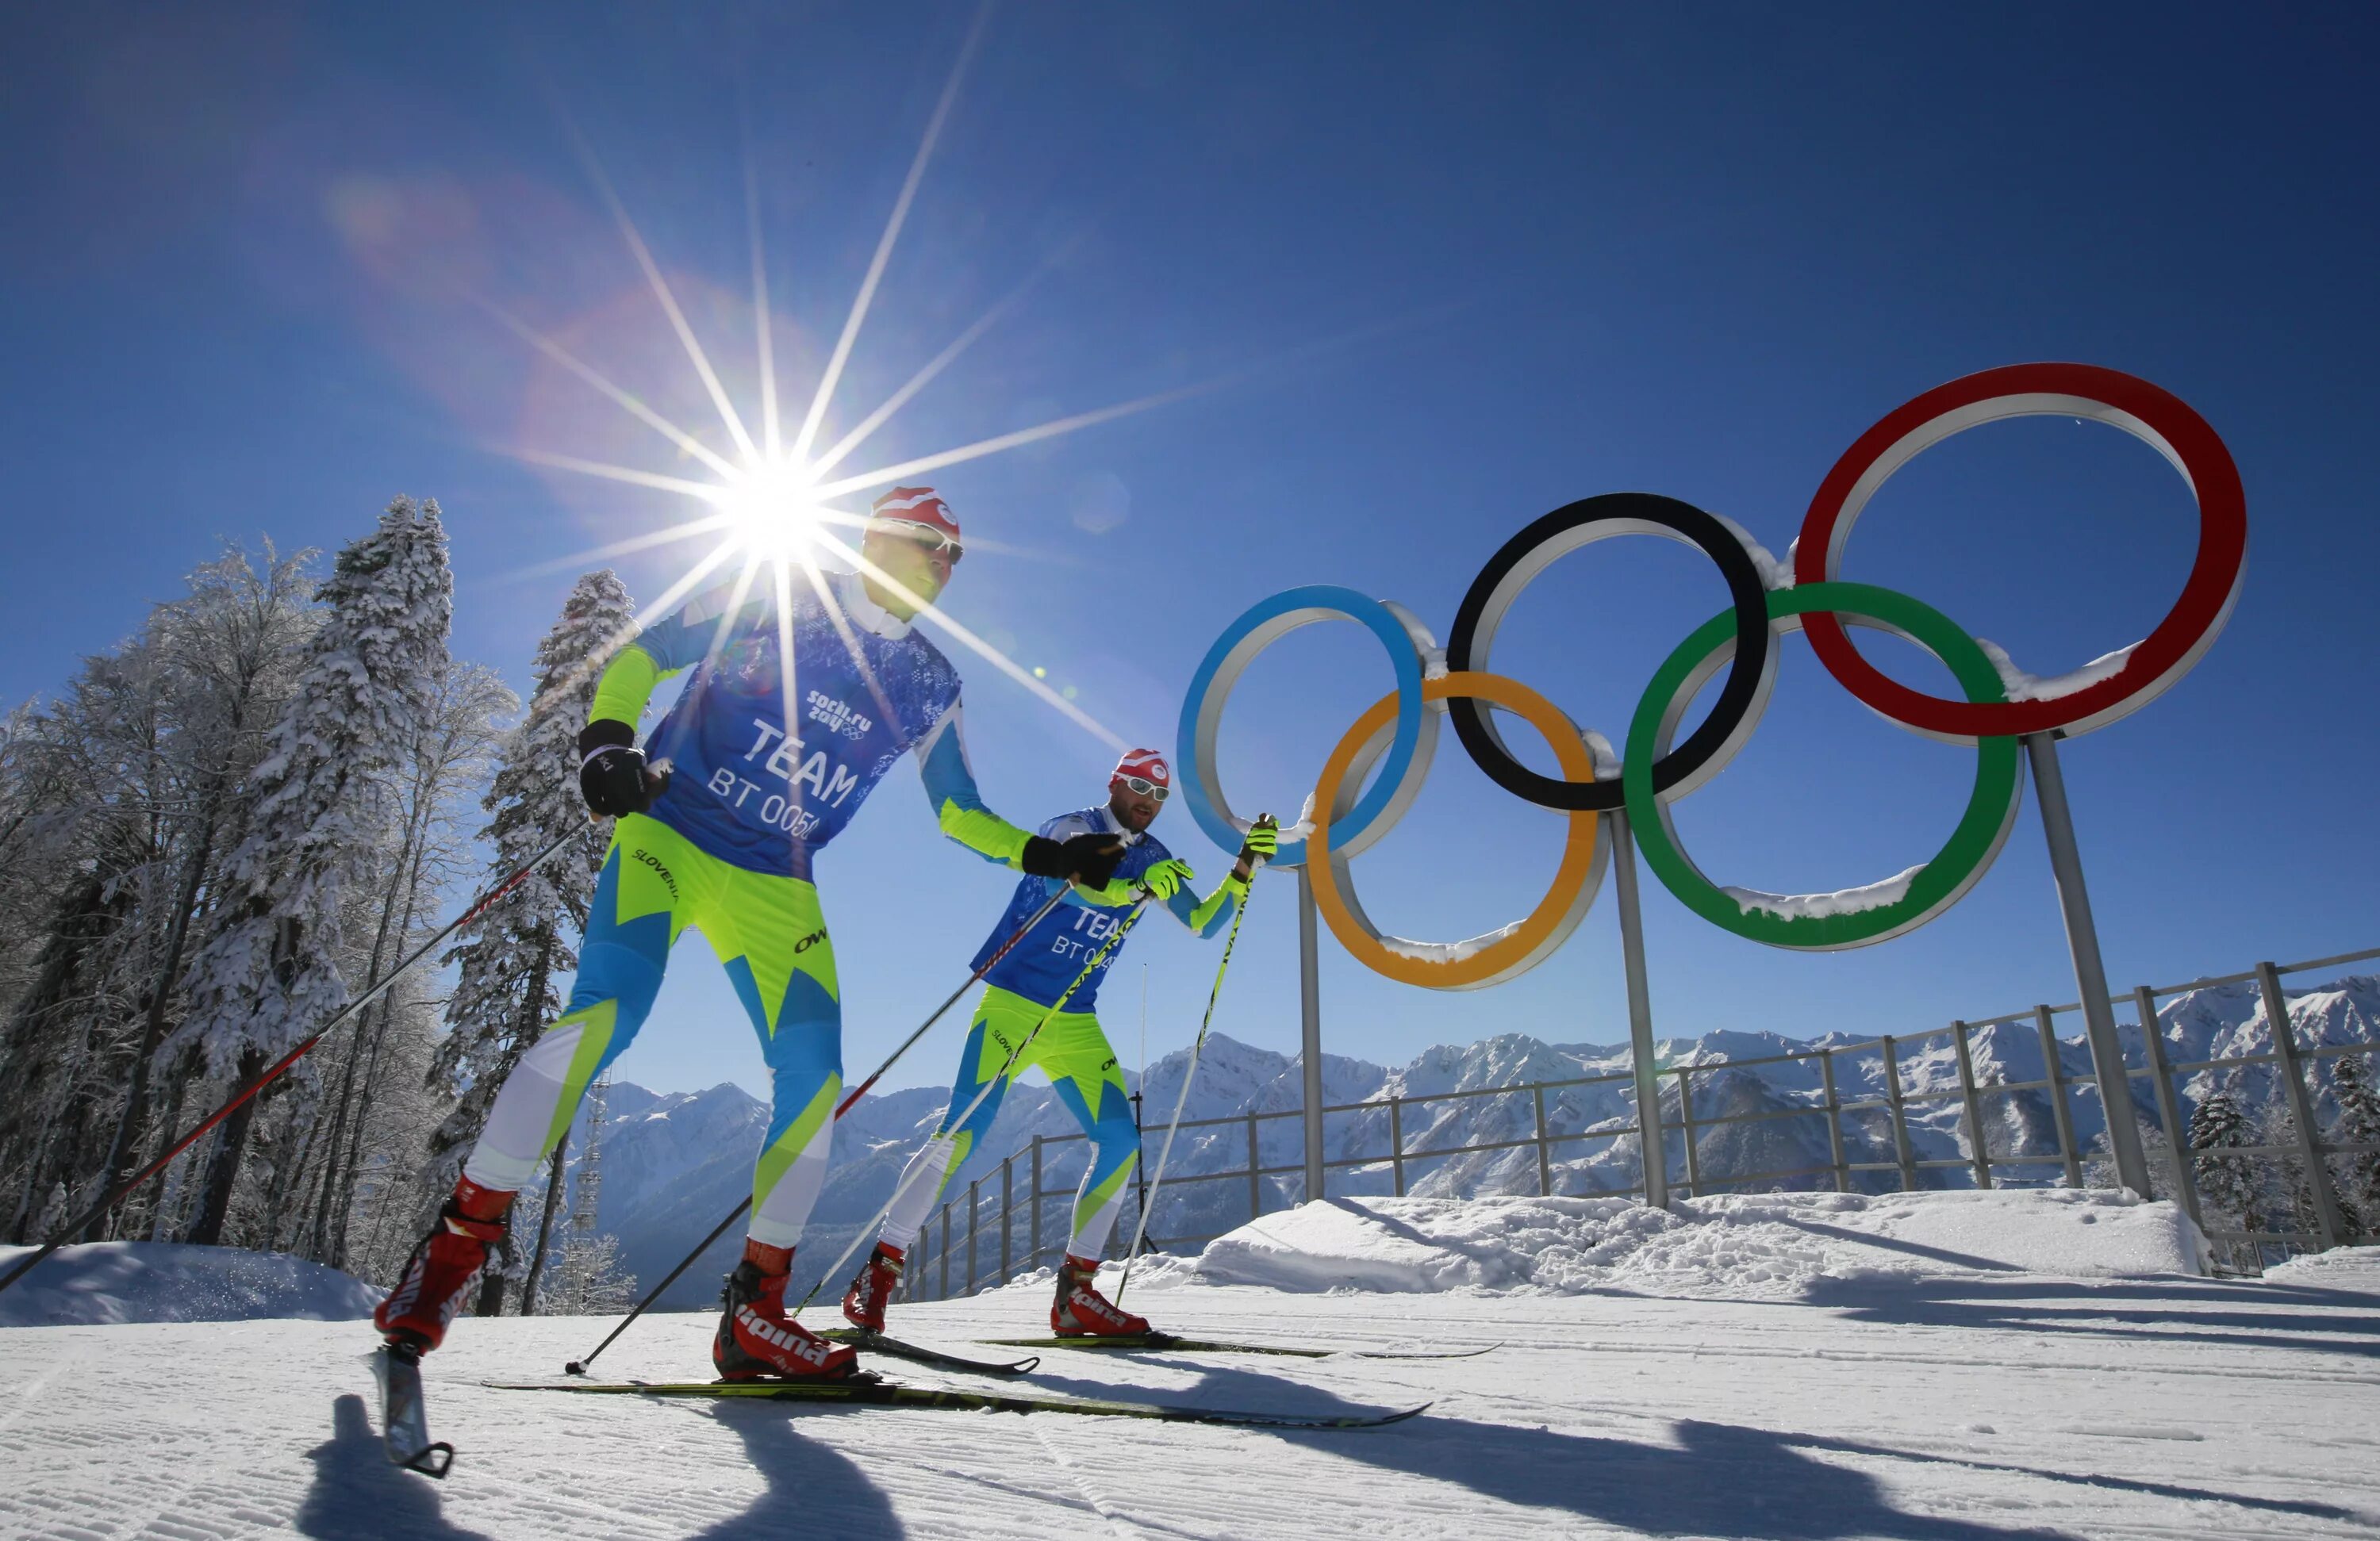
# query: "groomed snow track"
1954,1407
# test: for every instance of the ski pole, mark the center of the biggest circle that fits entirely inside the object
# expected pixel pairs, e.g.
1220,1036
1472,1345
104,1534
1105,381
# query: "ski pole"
578,1366
124,1189
1166,1150
834,1268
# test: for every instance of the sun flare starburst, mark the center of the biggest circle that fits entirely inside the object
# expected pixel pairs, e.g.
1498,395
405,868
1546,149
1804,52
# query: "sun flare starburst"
769,502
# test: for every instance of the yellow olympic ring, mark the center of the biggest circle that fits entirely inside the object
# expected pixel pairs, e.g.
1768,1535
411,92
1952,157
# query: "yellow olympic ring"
1502,954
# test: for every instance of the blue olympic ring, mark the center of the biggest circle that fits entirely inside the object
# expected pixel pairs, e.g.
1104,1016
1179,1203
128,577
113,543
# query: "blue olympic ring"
1407,765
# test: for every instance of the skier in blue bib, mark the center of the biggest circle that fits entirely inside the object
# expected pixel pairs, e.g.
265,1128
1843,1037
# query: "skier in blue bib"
1028,1019
790,720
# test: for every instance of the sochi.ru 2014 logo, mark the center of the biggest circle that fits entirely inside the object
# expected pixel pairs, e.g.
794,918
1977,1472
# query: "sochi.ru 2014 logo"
837,716
2001,705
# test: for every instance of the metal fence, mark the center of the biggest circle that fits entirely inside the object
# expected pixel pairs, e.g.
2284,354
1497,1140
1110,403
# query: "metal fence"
973,1241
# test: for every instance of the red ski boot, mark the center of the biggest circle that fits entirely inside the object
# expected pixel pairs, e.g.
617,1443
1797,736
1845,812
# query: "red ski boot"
757,1341
443,1268
1080,1311
864,1302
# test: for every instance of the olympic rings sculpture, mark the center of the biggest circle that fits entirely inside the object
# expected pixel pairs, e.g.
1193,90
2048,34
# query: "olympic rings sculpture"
1399,733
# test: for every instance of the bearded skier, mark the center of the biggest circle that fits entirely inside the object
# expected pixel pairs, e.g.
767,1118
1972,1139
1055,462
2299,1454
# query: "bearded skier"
771,759
1070,1048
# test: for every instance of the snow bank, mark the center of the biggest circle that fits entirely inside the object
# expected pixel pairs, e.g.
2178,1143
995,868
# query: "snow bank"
1768,1245
2346,1268
150,1282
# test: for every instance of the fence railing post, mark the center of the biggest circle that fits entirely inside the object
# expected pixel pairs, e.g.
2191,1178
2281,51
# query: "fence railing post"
1901,1149
946,1253
1397,1142
2053,1067
1033,1215
1686,1117
975,1208
2168,1107
1834,1122
1007,1207
1256,1182
2329,1224
1976,1150
1545,1159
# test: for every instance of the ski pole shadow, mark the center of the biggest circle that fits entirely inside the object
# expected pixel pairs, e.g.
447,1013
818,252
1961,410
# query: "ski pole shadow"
1720,1480
813,1488
357,1496
2183,1310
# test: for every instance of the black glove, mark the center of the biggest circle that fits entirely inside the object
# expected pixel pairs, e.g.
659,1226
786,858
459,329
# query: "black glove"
1088,859
611,770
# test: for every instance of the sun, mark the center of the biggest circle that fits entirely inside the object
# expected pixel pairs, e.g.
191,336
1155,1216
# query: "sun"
773,511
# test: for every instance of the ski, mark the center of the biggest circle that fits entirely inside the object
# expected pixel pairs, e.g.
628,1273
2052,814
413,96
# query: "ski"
404,1423
886,1393
1166,1342
876,1343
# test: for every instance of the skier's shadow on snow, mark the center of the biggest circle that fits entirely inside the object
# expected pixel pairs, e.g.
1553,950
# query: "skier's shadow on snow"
357,1496
1722,1480
813,1488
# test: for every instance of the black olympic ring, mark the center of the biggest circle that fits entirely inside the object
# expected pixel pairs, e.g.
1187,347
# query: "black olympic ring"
1574,525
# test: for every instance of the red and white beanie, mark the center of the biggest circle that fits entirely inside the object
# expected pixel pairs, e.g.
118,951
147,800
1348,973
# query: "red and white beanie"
915,505
1148,764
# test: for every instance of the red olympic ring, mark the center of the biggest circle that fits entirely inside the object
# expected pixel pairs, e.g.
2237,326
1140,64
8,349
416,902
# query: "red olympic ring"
2157,419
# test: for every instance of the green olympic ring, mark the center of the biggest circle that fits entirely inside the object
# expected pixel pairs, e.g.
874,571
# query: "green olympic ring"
1923,891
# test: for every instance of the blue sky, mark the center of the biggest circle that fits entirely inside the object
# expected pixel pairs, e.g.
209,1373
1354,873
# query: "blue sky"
1443,273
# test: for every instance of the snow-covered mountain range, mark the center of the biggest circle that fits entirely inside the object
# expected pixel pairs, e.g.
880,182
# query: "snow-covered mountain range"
673,1165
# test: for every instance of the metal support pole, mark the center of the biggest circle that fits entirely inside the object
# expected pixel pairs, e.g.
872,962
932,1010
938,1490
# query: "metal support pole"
974,1202
1545,1157
1901,1150
1686,1117
1834,1123
2177,1137
1397,1142
1256,1182
1007,1207
2053,1067
1033,1220
1310,1004
1655,1148
2090,973
1977,1152
946,1253
2329,1224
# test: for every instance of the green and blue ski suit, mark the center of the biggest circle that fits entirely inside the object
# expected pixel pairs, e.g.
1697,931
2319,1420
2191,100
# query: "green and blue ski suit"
789,722
1071,1048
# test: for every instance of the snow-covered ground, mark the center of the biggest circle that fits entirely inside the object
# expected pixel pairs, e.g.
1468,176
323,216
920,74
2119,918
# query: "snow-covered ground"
1765,1245
1881,1368
144,1281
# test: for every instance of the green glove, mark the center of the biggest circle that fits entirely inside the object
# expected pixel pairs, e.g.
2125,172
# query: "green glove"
1165,880
1263,840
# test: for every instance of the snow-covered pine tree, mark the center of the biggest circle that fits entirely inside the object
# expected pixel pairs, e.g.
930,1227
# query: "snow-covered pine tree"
2288,1192
230,649
2359,1123
321,802
504,990
2227,1184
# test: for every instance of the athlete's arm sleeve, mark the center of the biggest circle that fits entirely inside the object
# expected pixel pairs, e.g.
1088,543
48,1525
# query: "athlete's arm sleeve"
661,649
958,807
1205,917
